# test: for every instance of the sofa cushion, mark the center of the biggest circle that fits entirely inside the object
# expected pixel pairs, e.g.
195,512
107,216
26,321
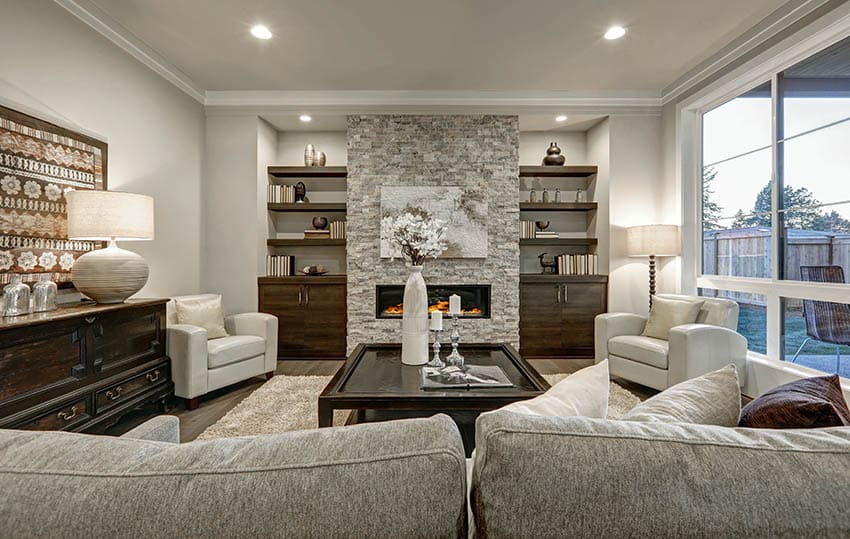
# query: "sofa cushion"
711,399
668,313
808,403
387,479
233,349
204,311
583,393
642,349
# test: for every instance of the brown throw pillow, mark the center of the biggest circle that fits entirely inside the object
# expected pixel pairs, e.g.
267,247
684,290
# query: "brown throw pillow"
803,404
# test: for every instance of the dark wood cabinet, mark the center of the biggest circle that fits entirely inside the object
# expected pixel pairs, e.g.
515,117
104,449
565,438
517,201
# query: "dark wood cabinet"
556,314
79,368
311,313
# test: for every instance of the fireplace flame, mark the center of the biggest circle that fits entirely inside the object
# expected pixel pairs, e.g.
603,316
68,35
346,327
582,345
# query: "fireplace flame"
442,306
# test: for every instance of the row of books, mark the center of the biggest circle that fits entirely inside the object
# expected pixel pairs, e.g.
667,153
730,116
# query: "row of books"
280,265
281,194
582,264
337,230
528,230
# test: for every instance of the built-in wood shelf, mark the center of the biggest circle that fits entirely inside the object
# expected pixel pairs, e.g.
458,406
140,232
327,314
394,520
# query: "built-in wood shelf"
309,207
278,242
559,241
558,206
568,171
308,172
304,279
551,278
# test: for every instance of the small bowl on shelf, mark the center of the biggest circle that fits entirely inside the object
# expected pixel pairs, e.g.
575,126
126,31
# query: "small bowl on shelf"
314,270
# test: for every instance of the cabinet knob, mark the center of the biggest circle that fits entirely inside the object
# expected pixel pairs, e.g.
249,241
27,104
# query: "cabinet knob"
152,376
65,416
114,394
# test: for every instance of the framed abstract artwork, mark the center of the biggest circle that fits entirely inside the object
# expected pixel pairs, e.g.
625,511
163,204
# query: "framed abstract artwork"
39,163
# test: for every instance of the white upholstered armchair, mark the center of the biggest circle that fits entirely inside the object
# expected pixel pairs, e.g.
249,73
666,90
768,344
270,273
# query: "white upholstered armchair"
200,365
690,351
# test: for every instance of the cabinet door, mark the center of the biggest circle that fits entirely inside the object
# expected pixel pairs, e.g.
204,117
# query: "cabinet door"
325,324
286,302
539,320
580,303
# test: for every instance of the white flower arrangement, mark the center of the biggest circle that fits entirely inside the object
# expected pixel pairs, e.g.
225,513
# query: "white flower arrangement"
417,238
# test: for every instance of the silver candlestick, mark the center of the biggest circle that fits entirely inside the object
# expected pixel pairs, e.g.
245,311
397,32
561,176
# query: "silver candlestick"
436,362
455,358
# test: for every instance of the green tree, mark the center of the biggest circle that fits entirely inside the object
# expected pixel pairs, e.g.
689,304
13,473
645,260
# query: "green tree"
710,209
805,216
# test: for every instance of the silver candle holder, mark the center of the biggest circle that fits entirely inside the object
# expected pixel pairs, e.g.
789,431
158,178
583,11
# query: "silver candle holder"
455,359
436,362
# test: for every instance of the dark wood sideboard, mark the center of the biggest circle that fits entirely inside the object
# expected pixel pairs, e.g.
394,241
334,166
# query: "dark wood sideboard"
79,368
557,312
311,313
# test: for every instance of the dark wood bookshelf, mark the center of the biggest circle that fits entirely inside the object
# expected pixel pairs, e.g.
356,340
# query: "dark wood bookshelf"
308,172
568,171
278,242
558,206
304,279
308,207
558,241
552,278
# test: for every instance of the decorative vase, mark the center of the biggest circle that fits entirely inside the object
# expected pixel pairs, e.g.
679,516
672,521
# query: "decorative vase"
309,155
109,275
44,294
553,155
16,297
321,159
414,322
320,223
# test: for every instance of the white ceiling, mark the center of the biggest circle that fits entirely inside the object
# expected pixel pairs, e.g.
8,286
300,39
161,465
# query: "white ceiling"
449,45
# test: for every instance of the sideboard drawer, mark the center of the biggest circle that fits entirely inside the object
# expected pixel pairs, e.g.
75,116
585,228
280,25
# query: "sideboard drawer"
130,336
63,418
123,391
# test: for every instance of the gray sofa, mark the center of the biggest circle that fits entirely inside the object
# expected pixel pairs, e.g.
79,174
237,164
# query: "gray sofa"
396,479
579,477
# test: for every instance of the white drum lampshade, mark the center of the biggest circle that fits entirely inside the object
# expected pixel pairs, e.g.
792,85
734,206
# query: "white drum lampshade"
109,275
652,241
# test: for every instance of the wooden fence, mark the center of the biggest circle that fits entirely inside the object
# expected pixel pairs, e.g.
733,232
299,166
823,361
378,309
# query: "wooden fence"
745,252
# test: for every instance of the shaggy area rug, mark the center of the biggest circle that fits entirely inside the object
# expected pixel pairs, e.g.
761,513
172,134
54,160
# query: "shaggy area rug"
287,403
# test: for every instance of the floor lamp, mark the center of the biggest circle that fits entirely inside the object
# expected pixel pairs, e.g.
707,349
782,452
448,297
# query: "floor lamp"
653,241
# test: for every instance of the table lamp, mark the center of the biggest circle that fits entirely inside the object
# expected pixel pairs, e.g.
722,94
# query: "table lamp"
652,241
109,275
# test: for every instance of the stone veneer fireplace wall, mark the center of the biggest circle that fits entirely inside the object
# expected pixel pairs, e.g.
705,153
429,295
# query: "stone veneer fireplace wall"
471,151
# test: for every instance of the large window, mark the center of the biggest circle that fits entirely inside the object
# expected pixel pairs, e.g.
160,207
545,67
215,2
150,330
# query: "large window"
775,210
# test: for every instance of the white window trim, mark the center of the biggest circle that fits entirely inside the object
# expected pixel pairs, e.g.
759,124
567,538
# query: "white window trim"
823,33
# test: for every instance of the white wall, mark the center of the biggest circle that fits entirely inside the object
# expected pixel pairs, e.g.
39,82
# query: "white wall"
599,154
533,145
54,66
291,146
267,147
636,184
230,220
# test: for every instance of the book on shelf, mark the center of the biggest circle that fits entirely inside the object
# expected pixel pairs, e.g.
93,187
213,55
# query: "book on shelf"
543,234
317,234
280,265
281,194
337,230
580,264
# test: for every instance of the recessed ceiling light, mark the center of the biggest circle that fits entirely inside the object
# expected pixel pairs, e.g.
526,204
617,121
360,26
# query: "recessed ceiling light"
261,31
615,32
305,118
561,118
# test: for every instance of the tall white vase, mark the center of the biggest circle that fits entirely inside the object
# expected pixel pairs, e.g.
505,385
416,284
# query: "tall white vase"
414,321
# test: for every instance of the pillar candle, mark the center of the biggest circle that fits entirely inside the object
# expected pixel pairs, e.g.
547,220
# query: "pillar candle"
454,304
437,321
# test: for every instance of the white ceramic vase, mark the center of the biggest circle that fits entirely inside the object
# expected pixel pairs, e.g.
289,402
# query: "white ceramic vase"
414,321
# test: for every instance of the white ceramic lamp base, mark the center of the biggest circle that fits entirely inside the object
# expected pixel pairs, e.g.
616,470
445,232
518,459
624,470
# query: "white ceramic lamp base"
110,275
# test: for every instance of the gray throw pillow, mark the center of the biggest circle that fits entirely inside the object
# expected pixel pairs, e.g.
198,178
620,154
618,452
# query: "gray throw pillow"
711,399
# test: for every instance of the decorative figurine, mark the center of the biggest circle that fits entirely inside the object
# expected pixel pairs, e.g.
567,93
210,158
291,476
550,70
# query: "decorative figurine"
581,195
300,193
553,155
557,194
547,266
545,196
532,195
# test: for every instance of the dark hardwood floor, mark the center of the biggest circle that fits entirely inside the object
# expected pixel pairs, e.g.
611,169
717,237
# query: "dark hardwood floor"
215,405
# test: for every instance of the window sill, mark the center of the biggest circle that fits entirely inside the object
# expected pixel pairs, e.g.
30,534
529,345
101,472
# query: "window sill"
764,374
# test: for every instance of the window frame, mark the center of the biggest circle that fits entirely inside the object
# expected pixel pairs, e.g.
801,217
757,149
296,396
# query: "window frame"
689,116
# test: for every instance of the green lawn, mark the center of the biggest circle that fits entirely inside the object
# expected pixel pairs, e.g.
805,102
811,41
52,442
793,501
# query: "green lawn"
752,324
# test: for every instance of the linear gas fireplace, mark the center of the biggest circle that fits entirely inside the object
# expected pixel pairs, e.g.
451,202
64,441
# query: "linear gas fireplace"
474,299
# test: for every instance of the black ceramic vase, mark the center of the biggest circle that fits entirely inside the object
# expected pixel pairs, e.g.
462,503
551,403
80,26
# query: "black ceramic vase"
553,156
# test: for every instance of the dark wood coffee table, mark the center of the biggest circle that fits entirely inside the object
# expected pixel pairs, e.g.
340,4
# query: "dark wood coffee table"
374,379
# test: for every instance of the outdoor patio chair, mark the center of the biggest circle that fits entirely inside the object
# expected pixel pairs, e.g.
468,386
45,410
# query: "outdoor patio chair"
825,321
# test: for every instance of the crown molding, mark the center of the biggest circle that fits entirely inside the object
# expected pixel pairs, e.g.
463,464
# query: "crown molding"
788,17
356,102
97,19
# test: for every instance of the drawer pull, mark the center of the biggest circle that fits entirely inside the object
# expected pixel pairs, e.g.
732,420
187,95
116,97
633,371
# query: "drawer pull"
65,416
152,376
114,394
91,319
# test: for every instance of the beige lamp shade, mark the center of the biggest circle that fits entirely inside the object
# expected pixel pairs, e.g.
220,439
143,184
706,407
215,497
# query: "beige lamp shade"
658,240
105,215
